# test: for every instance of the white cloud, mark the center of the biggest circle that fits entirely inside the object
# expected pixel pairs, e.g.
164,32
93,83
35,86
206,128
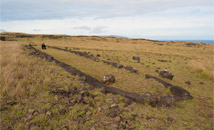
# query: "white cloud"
52,9
155,19
143,27
83,28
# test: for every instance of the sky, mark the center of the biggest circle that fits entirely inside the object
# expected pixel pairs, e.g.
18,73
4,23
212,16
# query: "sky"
150,19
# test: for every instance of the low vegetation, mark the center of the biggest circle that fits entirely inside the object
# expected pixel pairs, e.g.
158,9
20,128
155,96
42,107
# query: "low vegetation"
37,94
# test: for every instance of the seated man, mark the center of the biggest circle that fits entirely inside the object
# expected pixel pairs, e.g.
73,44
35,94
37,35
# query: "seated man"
43,46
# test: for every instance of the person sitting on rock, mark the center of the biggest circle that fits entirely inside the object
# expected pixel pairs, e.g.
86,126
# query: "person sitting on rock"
43,46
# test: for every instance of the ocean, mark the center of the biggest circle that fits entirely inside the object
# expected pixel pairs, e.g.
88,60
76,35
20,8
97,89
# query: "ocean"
203,41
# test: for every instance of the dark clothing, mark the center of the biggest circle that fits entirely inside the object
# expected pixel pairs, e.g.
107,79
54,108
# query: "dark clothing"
43,46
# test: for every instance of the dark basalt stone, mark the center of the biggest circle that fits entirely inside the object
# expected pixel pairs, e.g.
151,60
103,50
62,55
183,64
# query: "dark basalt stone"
136,58
108,79
201,83
188,82
178,92
166,74
163,60
92,57
131,69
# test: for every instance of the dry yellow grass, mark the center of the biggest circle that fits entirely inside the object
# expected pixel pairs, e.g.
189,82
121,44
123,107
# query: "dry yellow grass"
27,80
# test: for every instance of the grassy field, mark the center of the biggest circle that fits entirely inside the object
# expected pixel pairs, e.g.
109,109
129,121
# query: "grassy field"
28,82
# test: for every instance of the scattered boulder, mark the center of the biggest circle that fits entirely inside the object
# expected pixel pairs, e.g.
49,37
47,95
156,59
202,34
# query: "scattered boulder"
166,74
136,58
98,55
201,83
108,79
163,60
188,82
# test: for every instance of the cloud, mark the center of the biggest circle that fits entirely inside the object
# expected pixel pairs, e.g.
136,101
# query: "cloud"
54,9
92,30
82,28
37,30
152,27
98,30
183,19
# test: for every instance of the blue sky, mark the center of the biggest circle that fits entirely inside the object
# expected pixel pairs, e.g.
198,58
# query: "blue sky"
151,19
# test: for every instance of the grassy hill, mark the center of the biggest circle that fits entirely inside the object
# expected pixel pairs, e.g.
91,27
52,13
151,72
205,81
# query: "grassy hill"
37,94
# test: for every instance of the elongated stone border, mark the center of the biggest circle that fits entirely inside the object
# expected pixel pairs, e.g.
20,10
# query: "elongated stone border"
153,101
177,91
87,78
84,54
